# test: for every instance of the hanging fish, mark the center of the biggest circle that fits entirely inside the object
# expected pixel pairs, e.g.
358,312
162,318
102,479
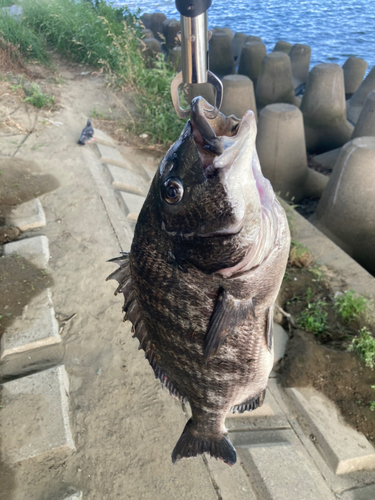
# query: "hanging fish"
207,260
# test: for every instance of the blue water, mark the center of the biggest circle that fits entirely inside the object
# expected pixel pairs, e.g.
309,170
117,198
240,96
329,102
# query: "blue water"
335,29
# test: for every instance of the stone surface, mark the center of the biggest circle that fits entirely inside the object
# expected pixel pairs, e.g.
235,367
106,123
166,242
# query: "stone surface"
238,96
324,111
282,152
104,139
112,156
156,24
32,341
36,408
250,61
170,29
282,46
365,493
280,340
356,102
300,55
354,70
232,483
29,215
329,158
277,471
275,83
132,205
237,43
365,126
221,60
124,179
344,208
345,449
35,250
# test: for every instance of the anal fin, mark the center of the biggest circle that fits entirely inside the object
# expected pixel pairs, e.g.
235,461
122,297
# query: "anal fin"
251,404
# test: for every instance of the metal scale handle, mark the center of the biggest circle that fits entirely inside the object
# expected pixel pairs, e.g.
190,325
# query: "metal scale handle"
194,53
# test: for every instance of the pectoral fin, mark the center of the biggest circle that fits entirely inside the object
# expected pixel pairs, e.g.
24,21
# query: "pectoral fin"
228,313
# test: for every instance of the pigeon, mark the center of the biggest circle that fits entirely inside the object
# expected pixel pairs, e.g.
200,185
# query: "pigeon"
87,134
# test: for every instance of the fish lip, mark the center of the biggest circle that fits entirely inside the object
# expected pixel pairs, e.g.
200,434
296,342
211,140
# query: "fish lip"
232,231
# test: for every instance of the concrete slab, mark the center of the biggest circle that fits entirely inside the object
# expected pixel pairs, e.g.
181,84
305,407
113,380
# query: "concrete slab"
280,340
278,473
268,416
132,204
345,449
102,138
32,342
366,493
125,180
29,215
35,250
34,416
231,483
328,159
110,155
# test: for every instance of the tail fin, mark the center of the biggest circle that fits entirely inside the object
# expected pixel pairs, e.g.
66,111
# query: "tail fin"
192,444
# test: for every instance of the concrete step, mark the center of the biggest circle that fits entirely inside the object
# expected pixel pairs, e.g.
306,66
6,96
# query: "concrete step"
110,155
29,215
35,418
131,204
126,180
35,250
365,493
75,496
345,449
32,343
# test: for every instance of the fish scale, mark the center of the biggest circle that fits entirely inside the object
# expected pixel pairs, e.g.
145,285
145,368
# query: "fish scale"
206,263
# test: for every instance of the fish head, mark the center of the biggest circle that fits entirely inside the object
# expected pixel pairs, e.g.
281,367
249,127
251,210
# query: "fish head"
209,191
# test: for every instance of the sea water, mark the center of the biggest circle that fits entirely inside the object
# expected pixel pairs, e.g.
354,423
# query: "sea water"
334,29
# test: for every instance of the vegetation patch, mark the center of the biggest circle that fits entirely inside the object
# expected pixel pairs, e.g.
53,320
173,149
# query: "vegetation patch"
364,346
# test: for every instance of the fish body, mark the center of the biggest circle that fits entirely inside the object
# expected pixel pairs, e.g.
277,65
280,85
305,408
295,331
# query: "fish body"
87,134
208,256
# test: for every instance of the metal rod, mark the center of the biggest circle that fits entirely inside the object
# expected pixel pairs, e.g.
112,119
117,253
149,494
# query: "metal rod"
194,41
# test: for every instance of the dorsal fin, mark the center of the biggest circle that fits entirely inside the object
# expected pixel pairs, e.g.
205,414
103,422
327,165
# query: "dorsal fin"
133,314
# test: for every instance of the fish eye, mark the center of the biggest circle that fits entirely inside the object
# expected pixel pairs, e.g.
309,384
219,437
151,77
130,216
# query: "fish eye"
173,191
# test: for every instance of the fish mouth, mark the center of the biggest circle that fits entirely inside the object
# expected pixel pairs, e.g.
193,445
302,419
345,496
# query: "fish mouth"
213,136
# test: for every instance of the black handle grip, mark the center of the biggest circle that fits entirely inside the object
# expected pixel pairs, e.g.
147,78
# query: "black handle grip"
192,8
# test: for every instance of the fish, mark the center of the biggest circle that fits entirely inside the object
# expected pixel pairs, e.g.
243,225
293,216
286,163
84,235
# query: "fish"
87,134
206,263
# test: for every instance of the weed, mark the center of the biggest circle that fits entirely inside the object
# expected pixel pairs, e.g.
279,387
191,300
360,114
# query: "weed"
349,306
299,255
314,318
97,114
364,346
36,98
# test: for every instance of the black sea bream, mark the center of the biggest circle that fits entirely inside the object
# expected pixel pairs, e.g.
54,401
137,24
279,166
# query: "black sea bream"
206,263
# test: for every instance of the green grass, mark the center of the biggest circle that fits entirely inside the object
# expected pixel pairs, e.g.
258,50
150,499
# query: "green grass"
109,38
314,318
349,306
30,44
33,93
299,255
364,346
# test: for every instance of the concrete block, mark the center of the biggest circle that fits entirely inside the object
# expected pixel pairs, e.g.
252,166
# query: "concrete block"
268,416
278,473
237,43
365,126
354,70
329,158
250,60
280,340
132,204
345,449
282,46
365,493
238,96
112,156
104,139
221,61
32,342
34,416
355,104
35,250
125,180
29,215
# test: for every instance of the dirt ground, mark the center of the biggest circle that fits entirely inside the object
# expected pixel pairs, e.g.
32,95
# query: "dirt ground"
123,425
